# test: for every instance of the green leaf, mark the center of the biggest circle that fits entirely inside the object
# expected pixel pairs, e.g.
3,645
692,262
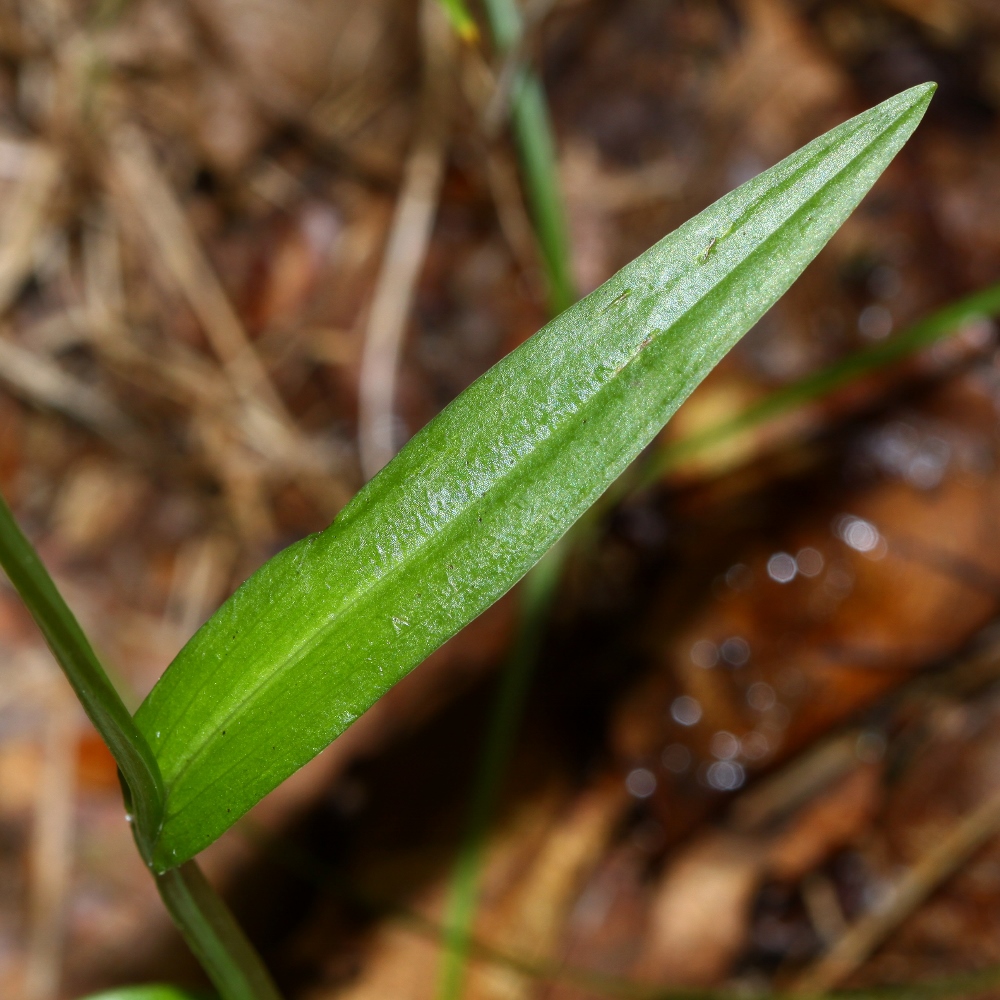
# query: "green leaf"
150,992
325,628
817,384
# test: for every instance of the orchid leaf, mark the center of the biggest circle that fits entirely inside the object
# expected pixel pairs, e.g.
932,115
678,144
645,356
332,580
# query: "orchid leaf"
475,499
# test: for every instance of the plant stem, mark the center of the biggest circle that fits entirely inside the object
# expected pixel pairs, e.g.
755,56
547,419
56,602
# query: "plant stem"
979,305
532,130
463,23
537,592
202,917
212,933
76,657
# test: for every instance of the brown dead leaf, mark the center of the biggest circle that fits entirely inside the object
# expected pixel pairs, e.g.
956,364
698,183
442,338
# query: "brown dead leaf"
700,912
829,823
779,81
773,661
530,922
96,503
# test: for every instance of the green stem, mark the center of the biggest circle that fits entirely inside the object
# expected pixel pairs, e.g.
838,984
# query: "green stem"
536,147
537,592
201,916
212,933
533,132
100,700
979,305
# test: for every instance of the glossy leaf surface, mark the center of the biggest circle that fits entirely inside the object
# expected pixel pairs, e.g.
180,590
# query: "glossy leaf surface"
321,631
150,992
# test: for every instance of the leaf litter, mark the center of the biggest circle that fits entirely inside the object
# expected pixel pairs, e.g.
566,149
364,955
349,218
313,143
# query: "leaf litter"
279,134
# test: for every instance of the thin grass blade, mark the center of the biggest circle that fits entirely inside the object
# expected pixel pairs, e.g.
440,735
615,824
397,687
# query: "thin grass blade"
816,385
532,129
320,632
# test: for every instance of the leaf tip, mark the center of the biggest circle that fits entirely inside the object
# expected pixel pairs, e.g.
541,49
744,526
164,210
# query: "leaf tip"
921,93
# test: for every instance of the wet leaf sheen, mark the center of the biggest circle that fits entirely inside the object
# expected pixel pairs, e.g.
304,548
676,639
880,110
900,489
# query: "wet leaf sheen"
471,503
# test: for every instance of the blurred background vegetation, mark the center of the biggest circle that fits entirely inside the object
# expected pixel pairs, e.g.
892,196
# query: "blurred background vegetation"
748,729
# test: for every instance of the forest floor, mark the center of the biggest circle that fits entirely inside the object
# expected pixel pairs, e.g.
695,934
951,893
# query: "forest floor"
761,749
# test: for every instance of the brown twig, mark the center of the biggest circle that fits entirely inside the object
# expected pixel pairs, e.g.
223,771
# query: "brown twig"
863,937
183,257
407,246
40,381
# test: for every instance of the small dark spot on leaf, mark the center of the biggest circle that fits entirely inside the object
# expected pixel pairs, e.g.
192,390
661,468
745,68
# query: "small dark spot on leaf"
617,299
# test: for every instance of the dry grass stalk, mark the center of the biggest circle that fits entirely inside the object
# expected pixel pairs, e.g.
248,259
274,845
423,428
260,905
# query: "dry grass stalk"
167,227
478,87
531,925
407,246
199,580
247,434
41,382
52,846
242,475
23,220
863,937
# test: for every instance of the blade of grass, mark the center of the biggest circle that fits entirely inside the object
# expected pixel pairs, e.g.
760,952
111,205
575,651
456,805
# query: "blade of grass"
201,916
462,21
979,305
536,147
536,594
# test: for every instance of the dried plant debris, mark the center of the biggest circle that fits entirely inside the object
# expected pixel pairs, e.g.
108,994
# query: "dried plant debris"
761,747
